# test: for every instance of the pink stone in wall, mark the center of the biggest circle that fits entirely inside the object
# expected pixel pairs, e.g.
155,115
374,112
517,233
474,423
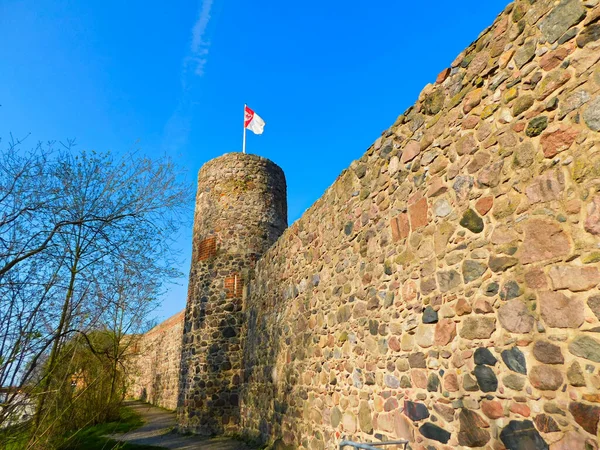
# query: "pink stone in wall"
463,307
551,60
446,411
482,306
546,187
478,160
418,214
396,424
470,122
349,422
515,317
445,332
571,441
492,409
546,378
573,206
478,63
484,132
466,145
508,139
458,360
536,279
394,344
443,75
484,204
410,291
390,404
410,152
501,27
592,222
436,187
451,382
543,240
400,227
384,422
472,99
560,311
419,378
583,60
558,140
503,235
490,176
520,408
574,278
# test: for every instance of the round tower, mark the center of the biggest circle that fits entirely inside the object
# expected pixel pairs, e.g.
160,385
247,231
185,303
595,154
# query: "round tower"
241,210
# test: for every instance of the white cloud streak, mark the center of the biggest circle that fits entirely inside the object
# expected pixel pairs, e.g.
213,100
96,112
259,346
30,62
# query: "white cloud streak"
198,55
178,127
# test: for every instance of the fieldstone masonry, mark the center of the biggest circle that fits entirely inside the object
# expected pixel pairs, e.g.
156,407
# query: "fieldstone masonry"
155,363
241,210
443,290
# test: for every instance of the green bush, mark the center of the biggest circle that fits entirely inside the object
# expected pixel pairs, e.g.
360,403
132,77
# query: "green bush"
87,388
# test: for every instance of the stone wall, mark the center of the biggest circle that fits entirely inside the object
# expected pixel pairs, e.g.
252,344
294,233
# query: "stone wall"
155,363
241,210
445,288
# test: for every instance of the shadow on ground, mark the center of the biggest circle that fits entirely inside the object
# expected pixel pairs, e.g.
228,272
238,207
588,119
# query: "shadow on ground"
159,430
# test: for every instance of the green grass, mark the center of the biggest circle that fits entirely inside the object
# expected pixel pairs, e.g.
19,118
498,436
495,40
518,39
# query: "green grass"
92,438
13,438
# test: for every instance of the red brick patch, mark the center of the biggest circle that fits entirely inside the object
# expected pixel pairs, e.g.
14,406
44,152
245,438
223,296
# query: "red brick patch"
207,248
233,286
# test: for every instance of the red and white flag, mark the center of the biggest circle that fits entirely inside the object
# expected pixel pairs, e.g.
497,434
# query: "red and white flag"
253,121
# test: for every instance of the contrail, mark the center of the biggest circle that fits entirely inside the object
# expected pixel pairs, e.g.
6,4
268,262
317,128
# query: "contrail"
197,57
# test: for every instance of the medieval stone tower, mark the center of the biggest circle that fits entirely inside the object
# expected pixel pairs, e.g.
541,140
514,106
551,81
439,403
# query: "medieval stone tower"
241,210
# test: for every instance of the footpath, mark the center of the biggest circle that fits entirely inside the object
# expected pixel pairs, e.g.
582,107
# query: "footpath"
158,430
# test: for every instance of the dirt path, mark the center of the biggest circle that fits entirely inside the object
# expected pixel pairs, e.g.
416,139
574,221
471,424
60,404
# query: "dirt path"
158,431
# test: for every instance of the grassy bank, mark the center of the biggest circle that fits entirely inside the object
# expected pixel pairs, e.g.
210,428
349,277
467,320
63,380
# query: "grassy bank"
92,438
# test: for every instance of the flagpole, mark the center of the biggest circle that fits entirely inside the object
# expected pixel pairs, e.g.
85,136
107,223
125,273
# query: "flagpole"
244,123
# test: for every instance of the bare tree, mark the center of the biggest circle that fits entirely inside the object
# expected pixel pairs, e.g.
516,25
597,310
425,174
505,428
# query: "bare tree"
27,277
85,244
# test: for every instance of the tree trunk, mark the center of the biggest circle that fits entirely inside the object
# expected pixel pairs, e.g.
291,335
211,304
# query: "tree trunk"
54,352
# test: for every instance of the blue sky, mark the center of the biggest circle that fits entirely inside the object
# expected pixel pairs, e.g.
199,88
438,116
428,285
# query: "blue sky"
172,77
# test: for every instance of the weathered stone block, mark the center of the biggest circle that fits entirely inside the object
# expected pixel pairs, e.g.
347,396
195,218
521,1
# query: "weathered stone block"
515,360
544,240
515,317
418,214
587,416
574,278
545,378
548,353
477,327
431,431
561,18
522,436
586,347
560,311
472,432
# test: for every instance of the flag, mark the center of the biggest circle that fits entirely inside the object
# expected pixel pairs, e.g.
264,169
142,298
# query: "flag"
253,121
